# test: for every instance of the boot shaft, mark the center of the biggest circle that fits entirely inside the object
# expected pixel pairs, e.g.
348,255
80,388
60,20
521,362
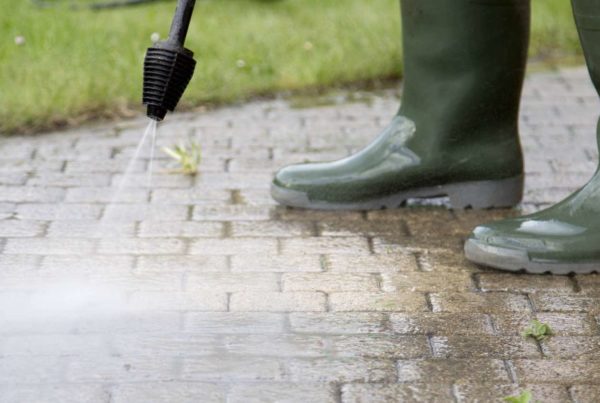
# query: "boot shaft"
464,68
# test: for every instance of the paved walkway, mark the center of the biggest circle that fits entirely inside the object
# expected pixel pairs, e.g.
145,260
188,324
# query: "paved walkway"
203,290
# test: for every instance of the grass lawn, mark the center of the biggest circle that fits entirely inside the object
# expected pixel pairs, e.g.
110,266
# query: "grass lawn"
84,64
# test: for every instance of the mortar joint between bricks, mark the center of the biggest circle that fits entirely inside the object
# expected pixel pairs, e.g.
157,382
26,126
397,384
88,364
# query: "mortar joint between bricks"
476,281
428,301
574,283
530,303
337,392
227,229
370,245
454,392
510,371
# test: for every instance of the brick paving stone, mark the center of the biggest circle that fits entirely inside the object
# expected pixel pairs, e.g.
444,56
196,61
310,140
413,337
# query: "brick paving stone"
105,195
572,347
181,264
426,282
371,263
69,180
448,324
283,345
278,301
479,302
482,346
550,302
16,228
524,283
65,393
564,324
381,346
50,212
232,282
41,194
147,212
178,301
48,246
271,229
282,392
234,246
111,369
320,245
556,371
485,392
338,322
141,246
341,370
166,344
90,229
181,392
231,369
176,229
192,196
234,212
377,301
235,322
585,393
411,393
453,370
281,263
329,282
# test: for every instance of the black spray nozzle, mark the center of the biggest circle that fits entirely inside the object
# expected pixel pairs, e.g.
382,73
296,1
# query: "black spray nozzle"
169,66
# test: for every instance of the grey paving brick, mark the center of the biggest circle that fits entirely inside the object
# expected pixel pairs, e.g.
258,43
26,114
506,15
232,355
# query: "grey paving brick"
48,246
16,228
44,211
232,282
413,393
329,282
139,246
474,392
63,393
262,301
235,322
454,370
377,301
322,245
30,194
341,370
338,322
186,229
183,392
232,369
441,323
234,212
106,195
276,263
282,392
148,212
181,264
234,246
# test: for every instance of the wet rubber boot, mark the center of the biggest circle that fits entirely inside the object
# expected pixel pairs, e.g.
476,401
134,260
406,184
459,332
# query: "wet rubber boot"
456,133
566,237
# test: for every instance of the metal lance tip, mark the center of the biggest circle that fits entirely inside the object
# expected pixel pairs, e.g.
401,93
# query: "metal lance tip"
168,66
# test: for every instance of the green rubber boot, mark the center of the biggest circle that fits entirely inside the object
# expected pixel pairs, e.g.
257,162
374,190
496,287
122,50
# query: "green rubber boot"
456,132
566,237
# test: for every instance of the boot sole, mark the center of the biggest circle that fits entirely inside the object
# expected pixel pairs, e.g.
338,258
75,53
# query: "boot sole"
518,260
477,195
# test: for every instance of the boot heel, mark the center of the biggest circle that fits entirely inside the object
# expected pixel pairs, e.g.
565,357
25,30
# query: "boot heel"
486,194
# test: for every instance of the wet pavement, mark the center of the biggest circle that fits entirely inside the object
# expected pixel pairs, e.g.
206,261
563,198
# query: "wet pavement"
201,289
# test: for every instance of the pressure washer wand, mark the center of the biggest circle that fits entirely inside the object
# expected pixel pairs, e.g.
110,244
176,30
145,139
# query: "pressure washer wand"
169,66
